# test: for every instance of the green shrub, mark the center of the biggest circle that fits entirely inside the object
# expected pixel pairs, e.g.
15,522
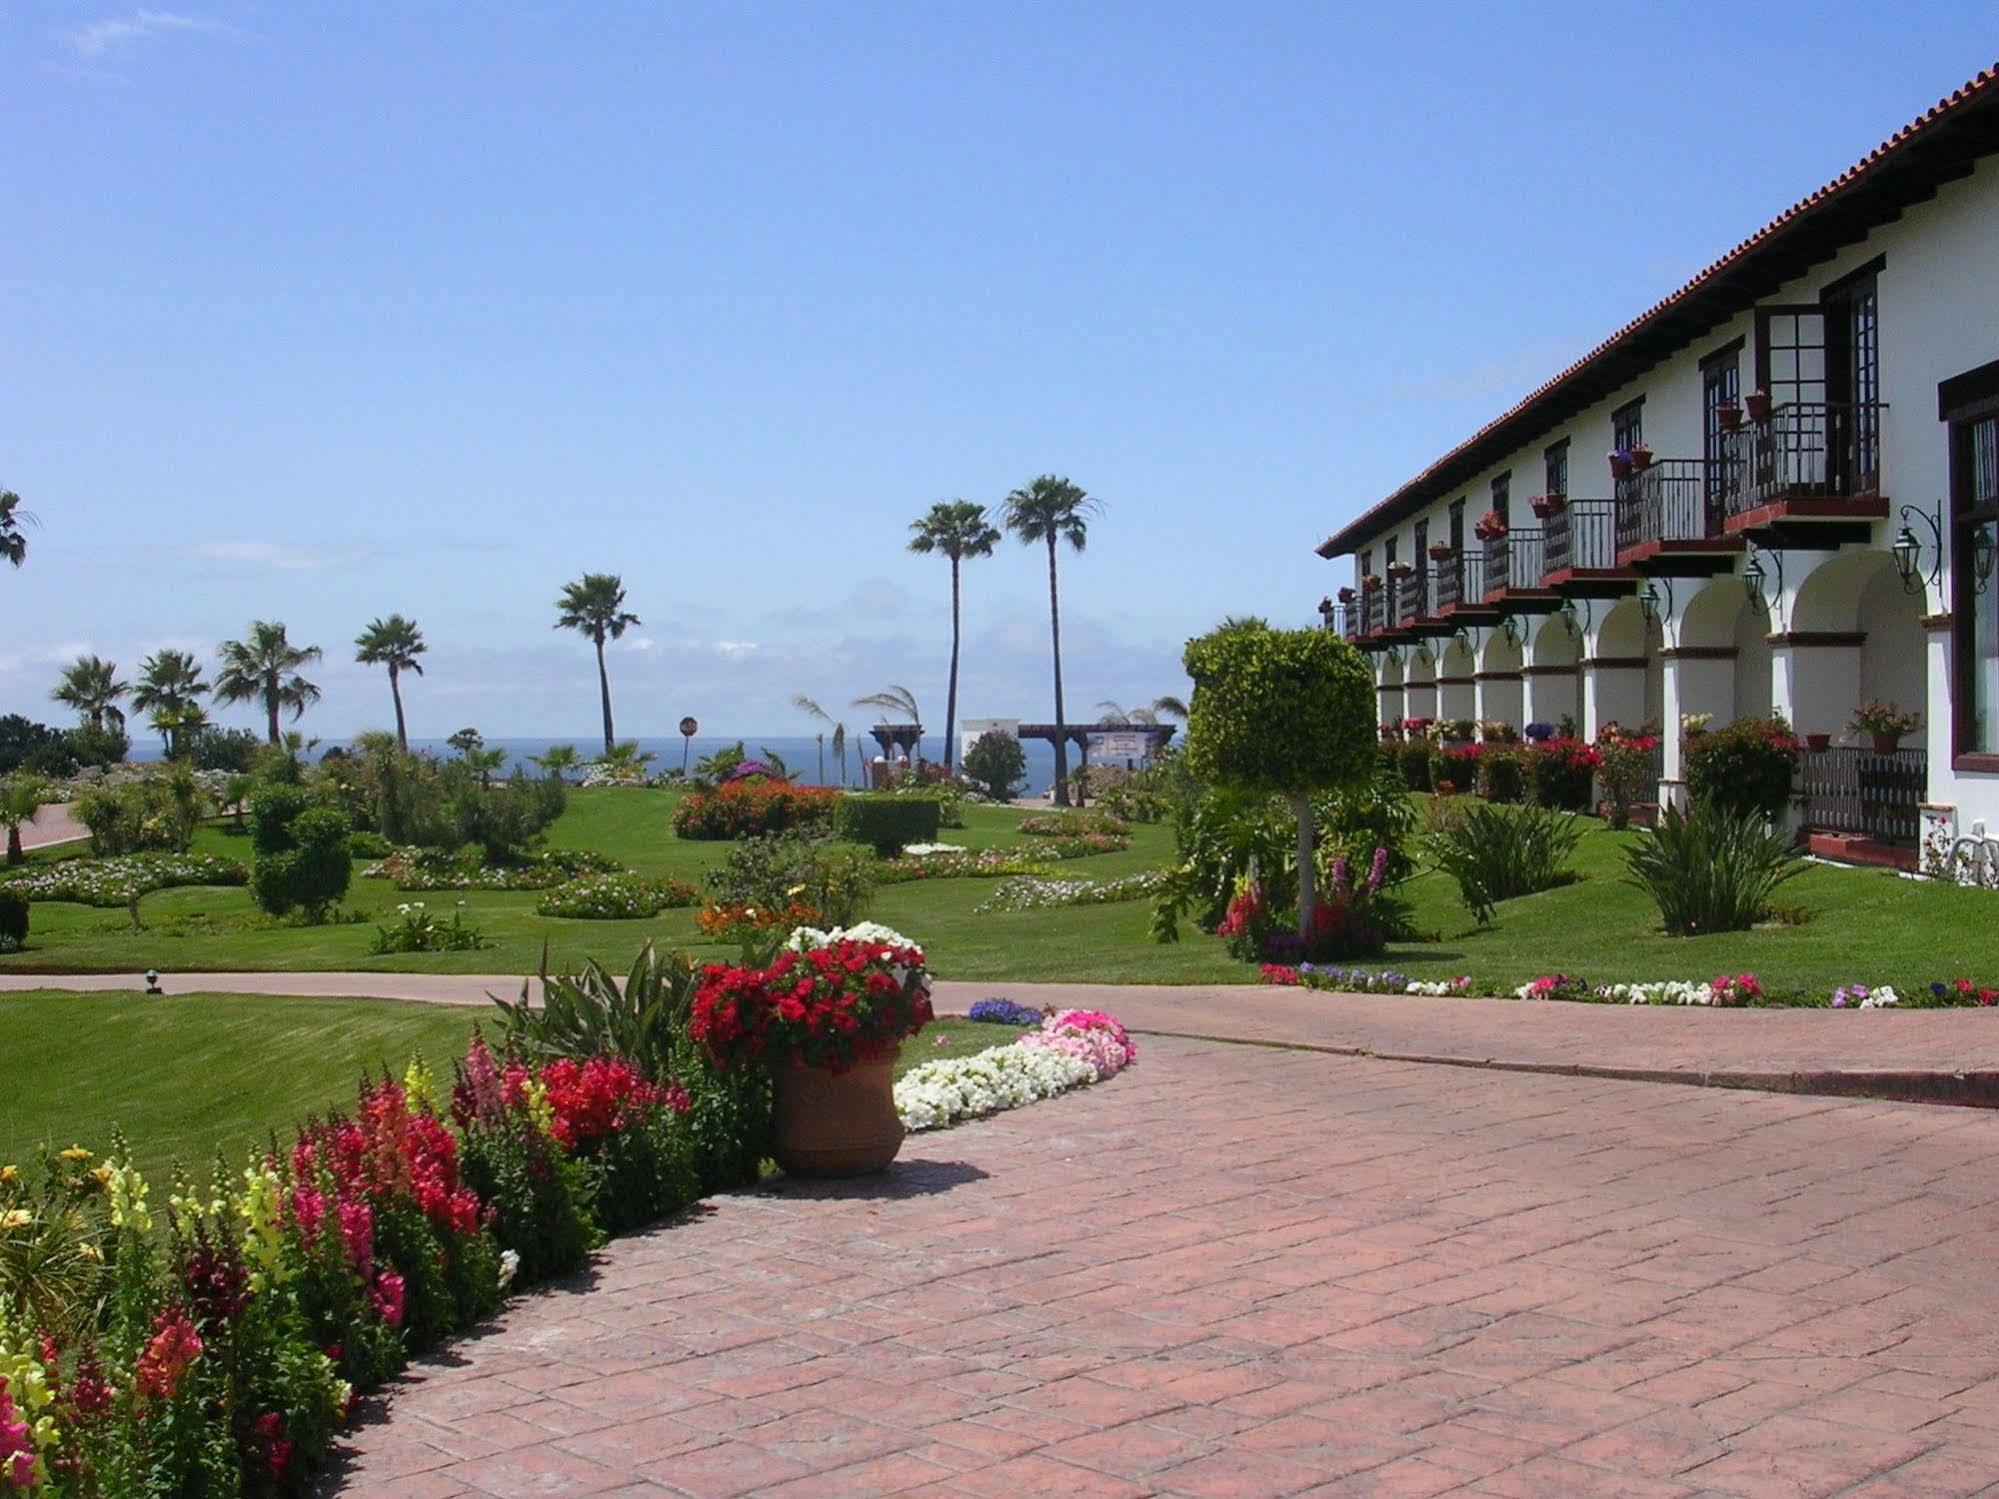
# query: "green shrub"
421,931
1625,765
157,811
1072,824
996,764
223,749
1412,763
770,873
1714,868
1502,775
887,824
13,919
1560,773
1496,852
1747,767
301,863
367,845
1354,821
1227,837
1454,767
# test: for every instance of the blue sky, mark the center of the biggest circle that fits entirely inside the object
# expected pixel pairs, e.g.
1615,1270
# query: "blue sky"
319,311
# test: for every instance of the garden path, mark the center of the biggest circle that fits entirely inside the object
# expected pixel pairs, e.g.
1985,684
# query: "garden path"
1938,1055
1239,1270
52,824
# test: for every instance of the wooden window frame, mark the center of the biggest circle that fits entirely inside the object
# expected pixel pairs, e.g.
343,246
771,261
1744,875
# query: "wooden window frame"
1963,403
1553,457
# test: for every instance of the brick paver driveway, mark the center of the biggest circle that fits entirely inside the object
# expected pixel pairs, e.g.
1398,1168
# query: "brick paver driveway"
1239,1270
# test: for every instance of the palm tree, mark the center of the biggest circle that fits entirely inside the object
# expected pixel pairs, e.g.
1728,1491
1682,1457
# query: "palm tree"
90,685
265,669
169,684
485,762
1109,712
959,529
13,545
896,699
1170,707
594,605
177,726
811,709
1049,510
625,762
396,643
20,798
557,760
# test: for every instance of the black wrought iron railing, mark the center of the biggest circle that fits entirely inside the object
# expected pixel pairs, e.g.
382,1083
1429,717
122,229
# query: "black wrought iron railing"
1373,610
1514,559
1582,535
1805,450
1447,580
1667,501
1412,595
1867,792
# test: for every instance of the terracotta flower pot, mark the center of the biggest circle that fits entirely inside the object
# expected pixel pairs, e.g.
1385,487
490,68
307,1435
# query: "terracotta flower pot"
1729,413
1886,744
1818,744
837,1124
1757,404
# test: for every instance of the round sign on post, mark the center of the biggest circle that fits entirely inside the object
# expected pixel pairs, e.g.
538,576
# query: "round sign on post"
689,727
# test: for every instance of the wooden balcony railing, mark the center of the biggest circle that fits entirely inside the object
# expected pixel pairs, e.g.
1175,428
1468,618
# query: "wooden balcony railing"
1872,793
1806,450
1374,610
1582,536
1667,501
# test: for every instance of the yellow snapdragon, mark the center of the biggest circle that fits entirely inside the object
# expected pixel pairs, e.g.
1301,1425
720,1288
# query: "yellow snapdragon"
421,1086
258,1207
126,1190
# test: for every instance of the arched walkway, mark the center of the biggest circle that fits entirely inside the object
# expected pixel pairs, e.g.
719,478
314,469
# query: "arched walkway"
1554,684
1419,685
1501,697
1456,695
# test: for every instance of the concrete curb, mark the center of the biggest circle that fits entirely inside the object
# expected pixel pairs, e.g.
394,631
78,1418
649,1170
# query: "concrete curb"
1975,1089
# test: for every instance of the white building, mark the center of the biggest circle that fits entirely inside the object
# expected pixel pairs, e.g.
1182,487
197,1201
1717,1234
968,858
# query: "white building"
1807,521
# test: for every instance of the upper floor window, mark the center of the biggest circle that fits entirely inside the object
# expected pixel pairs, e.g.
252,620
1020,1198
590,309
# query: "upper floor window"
1457,514
1627,425
1555,468
1502,500
1721,385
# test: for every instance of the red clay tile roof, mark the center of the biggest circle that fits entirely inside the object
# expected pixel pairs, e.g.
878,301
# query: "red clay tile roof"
1500,435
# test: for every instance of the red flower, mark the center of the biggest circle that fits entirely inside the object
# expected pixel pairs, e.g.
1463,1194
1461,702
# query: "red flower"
174,1345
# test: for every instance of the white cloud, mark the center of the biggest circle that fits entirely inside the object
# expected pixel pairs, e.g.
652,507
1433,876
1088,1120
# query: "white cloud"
734,650
272,554
114,34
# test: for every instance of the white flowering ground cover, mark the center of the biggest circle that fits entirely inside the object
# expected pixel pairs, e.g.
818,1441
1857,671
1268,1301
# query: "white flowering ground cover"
1026,892
1070,1049
113,882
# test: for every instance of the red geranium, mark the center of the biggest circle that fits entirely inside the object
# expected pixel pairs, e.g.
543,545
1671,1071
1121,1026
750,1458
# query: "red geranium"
852,1001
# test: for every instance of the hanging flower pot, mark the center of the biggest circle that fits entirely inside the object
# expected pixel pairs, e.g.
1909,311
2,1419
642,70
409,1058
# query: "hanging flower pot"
1440,551
1757,403
1818,744
1491,526
1729,414
1346,595
1400,569
1620,464
1641,457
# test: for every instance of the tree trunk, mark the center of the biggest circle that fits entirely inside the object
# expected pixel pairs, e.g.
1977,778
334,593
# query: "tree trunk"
396,692
271,709
1061,730
14,853
604,687
1307,902
951,696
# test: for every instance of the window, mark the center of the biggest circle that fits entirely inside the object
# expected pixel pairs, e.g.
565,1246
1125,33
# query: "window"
1422,561
1627,425
1457,525
1501,500
1853,382
1721,385
1791,355
1366,563
1974,531
1555,468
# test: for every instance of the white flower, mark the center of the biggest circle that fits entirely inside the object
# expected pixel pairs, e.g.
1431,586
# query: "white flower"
510,1265
811,938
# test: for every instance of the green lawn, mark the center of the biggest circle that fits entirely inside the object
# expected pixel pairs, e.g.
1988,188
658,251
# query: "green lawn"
1863,925
193,1074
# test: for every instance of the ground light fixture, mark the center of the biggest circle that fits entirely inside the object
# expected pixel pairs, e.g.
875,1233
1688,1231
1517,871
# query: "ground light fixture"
1908,549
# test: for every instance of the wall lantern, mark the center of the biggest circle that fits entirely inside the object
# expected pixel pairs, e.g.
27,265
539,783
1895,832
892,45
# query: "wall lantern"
1578,619
1981,557
1756,578
1648,601
1908,549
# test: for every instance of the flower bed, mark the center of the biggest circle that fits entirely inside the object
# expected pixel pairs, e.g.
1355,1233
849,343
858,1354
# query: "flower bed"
987,864
215,1345
1070,1049
420,869
115,882
1073,825
1026,892
1360,980
1003,1012
615,897
1725,991
738,809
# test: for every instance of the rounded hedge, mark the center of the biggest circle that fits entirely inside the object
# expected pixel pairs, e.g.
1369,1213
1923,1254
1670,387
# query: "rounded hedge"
1286,711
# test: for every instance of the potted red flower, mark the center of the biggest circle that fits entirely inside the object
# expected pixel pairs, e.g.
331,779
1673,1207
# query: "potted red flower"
1641,457
1491,526
1440,551
1757,404
1886,723
1818,744
828,1018
1548,506
1729,414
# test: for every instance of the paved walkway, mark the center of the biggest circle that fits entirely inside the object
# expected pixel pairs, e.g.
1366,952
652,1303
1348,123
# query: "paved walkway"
53,823
1936,1055
1244,1271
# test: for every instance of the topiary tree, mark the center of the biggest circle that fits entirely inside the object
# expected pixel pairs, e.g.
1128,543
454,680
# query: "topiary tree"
996,764
1284,711
302,862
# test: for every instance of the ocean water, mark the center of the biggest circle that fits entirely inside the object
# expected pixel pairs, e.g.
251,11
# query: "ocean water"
801,754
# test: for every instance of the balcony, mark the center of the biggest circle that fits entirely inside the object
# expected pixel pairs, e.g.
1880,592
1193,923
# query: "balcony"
1457,584
1669,520
1811,473
1412,597
1580,546
1373,611
1513,568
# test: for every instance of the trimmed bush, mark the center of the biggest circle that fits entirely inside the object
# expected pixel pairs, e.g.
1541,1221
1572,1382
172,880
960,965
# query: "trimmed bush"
309,869
1747,767
1502,775
740,809
887,824
13,918
1559,773
996,764
1412,763
1712,869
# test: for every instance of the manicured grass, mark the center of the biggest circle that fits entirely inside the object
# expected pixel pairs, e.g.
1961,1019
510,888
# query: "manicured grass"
1863,925
192,1075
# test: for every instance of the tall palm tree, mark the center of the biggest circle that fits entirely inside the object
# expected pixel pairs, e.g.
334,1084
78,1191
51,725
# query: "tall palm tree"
178,725
1110,712
169,684
811,709
13,544
1049,510
90,685
265,669
594,605
396,643
959,529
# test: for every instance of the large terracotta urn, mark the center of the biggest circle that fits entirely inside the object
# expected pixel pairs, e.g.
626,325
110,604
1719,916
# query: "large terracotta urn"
833,1124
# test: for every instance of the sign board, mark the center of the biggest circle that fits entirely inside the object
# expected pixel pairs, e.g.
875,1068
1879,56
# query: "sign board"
969,730
1116,747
